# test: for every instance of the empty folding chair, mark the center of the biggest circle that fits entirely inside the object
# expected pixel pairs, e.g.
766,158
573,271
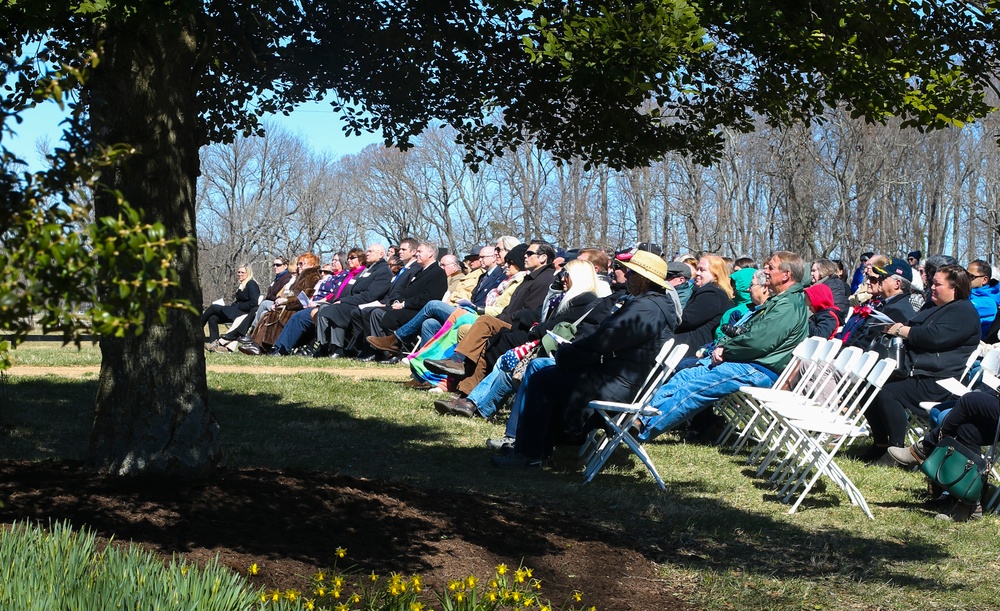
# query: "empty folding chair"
742,413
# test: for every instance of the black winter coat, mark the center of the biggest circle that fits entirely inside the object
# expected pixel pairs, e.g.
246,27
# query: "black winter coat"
701,316
612,362
245,301
942,338
424,285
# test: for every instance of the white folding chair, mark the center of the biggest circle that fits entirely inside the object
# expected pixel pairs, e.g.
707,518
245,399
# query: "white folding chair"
644,392
848,372
742,412
815,437
618,417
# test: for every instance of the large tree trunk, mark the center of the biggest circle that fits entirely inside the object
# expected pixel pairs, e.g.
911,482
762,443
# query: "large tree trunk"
151,414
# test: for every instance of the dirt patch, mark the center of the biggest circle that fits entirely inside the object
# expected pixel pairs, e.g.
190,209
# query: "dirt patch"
290,523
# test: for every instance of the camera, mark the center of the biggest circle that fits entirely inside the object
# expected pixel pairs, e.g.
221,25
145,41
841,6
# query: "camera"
733,330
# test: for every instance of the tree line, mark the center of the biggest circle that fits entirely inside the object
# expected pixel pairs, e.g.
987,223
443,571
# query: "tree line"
834,188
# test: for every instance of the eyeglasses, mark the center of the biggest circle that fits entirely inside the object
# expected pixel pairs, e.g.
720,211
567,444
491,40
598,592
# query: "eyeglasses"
874,280
974,276
352,257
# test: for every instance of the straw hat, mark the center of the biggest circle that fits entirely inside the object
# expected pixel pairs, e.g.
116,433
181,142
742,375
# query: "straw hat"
649,266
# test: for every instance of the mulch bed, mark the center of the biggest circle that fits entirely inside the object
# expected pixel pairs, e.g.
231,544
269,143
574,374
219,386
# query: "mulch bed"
290,524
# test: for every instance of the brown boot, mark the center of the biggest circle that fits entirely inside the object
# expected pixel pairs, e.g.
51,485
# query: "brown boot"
962,512
389,343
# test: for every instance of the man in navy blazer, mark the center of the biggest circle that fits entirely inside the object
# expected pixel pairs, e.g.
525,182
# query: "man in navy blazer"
429,282
493,275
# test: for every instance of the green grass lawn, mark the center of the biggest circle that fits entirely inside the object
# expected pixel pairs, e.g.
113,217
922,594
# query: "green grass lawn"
719,534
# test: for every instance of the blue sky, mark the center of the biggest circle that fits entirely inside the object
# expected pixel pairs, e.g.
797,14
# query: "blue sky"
314,122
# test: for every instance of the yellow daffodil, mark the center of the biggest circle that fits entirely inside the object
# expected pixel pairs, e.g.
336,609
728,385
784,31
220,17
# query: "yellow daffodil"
515,595
291,594
577,595
527,571
320,592
471,581
341,607
185,569
416,606
459,596
528,602
335,593
318,576
415,580
341,552
537,583
263,597
502,569
338,582
373,576
310,605
355,598
545,608
253,569
519,576
492,597
453,585
275,596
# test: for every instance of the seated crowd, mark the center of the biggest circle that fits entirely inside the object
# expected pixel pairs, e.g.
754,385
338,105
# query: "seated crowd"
547,331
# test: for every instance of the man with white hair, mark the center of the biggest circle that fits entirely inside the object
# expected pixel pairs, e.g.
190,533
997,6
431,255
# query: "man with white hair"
333,320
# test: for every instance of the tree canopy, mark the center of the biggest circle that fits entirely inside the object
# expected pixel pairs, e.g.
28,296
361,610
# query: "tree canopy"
615,82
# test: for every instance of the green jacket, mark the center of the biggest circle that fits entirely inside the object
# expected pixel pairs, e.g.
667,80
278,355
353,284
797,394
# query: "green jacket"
772,333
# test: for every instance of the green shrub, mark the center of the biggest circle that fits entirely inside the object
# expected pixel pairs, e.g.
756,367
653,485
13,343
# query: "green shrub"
58,568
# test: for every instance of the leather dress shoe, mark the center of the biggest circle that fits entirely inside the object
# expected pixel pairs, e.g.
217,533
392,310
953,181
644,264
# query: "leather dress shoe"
416,384
321,351
251,349
448,367
392,360
457,407
368,358
388,343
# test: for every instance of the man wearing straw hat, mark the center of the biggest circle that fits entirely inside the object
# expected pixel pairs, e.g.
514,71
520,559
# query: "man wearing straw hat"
754,358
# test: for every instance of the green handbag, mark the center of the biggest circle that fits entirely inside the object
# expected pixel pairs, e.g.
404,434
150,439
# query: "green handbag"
958,469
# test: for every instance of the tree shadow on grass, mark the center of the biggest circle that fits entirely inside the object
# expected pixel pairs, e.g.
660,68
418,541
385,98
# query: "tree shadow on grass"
284,494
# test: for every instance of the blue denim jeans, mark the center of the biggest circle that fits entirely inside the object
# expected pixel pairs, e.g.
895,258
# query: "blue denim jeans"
436,310
490,394
692,390
518,406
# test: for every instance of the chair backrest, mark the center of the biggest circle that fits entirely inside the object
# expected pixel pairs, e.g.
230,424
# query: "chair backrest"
676,355
874,373
661,357
991,361
803,353
969,362
818,369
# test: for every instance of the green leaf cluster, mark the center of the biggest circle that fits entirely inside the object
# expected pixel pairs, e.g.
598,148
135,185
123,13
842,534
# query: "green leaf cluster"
58,568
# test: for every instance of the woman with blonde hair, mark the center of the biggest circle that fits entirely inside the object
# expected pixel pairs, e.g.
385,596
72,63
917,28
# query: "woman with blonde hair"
712,297
245,301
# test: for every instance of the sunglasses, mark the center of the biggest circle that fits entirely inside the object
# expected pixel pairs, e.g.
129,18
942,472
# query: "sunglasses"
279,264
528,253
